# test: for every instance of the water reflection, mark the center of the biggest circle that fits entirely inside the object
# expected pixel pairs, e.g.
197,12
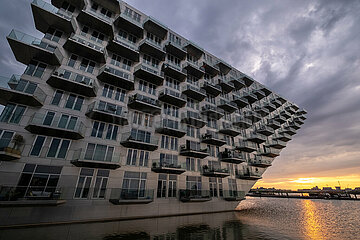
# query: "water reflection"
313,224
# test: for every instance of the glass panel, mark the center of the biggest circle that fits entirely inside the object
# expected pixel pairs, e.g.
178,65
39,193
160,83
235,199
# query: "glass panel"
54,147
63,149
19,111
39,142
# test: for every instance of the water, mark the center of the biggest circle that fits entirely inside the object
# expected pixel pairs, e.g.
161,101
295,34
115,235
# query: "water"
256,218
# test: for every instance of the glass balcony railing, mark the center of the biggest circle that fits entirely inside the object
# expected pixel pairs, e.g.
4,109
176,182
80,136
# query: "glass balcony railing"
97,155
214,170
87,42
140,136
152,43
128,195
25,87
126,43
144,99
116,72
164,163
50,8
99,15
233,194
186,195
30,40
64,122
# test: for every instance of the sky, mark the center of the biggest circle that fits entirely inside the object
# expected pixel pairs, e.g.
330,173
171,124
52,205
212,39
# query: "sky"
307,51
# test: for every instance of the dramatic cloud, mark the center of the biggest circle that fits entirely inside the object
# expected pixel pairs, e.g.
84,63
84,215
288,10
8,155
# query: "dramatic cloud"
308,51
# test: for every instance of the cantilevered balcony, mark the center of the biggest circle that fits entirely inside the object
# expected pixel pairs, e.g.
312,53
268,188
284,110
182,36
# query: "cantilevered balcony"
278,144
27,48
248,175
139,139
164,166
193,119
301,117
270,152
212,111
96,20
210,68
265,130
172,97
230,156
194,50
247,80
271,107
289,130
253,116
239,100
280,119
149,73
8,149
255,137
85,47
283,137
112,5
294,125
72,82
107,112
121,196
285,114
17,90
273,124
281,99
193,92
276,102
176,49
212,138
242,122
170,127
290,109
116,77
79,4
238,83
155,27
262,111
251,97
46,15
301,111
211,88
124,47
298,120
215,171
224,67
194,195
152,48
175,71
246,146
130,22
96,158
228,128
226,85
226,105
192,150
144,104
194,69
259,94
63,127
260,162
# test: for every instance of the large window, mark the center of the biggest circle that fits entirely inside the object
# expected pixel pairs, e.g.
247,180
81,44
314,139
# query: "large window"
122,62
53,34
103,130
57,97
12,113
190,164
5,138
35,69
58,148
193,183
170,143
167,185
213,187
192,131
94,180
170,110
142,119
74,102
172,83
147,87
134,185
137,158
38,181
99,152
87,65
38,144
168,160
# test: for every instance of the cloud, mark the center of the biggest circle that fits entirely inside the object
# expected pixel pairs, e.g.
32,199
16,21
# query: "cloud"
308,51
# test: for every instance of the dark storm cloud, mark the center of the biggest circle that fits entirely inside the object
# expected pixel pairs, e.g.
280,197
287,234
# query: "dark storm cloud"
308,51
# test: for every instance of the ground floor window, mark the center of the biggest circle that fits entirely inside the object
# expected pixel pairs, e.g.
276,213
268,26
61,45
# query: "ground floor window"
92,182
167,186
134,185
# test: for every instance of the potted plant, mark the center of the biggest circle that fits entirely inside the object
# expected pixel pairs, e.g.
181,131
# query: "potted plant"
18,141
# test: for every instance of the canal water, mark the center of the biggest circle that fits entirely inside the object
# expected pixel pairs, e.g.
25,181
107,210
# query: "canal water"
256,218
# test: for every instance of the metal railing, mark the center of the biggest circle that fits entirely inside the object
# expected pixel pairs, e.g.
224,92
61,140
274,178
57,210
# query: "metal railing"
144,99
107,108
116,72
96,14
75,77
233,194
146,67
172,124
122,41
160,163
168,91
140,136
189,86
87,42
206,169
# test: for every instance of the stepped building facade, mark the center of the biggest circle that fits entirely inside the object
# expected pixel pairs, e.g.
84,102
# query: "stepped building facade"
118,116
